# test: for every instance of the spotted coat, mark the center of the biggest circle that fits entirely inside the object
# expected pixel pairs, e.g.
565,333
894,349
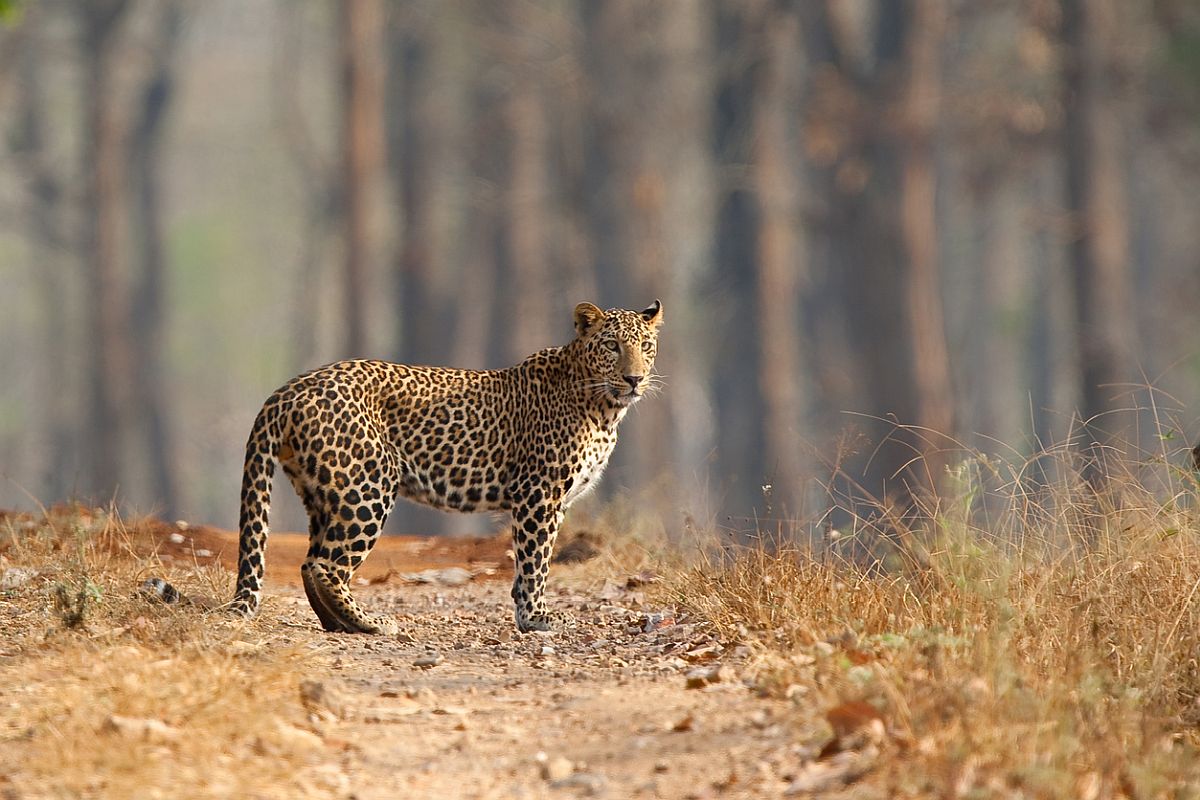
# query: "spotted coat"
354,436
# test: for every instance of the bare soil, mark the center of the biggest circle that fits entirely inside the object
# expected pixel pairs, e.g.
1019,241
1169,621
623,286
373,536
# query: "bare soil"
470,708
460,705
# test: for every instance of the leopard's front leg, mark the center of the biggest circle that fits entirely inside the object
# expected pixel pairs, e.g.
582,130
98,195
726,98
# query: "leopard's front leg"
535,527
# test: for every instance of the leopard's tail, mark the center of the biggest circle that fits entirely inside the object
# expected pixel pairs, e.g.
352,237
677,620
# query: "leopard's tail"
262,451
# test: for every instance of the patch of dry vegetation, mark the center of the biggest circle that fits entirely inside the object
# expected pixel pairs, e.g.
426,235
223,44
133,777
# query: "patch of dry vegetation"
1041,641
106,694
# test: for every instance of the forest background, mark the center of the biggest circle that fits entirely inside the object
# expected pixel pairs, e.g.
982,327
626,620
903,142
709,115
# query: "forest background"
976,218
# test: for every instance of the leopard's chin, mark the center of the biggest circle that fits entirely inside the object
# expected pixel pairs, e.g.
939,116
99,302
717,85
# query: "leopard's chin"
627,399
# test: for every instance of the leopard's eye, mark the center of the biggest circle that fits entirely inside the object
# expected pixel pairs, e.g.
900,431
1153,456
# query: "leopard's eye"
647,346
612,345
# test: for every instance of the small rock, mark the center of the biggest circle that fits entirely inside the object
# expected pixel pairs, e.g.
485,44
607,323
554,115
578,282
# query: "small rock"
422,694
298,738
556,768
158,589
684,725
547,650
585,783
700,655
833,773
322,699
640,579
610,591
177,538
181,525
14,577
449,576
657,621
661,766
584,547
202,553
451,711
706,676
428,661
151,730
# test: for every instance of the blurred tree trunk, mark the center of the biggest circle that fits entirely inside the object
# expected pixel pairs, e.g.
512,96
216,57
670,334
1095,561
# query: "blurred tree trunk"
683,429
48,237
1096,197
526,223
149,296
523,42
423,312
647,191
781,257
739,433
361,25
882,177
922,109
444,287
108,340
318,178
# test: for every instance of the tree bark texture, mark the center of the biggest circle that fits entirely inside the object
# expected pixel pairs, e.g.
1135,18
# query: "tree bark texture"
882,227
1094,156
363,159
60,430
150,290
781,259
108,340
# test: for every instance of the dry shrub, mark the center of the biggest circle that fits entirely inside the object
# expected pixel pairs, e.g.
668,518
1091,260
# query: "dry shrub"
1034,638
106,694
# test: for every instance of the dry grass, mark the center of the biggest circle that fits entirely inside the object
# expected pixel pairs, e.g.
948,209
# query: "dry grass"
104,694
1037,641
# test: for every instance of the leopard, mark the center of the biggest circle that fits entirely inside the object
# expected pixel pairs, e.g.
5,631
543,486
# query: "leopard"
355,436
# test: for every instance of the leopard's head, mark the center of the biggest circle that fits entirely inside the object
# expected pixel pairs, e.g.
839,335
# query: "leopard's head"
618,349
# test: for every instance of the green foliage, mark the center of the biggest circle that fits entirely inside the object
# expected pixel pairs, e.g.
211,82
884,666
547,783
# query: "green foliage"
74,603
9,11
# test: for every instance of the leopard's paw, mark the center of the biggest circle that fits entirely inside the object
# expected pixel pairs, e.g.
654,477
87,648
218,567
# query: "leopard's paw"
546,620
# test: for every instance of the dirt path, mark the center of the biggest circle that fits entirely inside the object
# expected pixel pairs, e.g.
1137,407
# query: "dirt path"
633,701
470,708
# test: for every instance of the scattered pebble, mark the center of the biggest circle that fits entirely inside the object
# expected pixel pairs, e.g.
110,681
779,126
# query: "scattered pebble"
15,577
158,589
703,654
585,783
323,700
554,768
428,661
684,725
298,738
706,676
150,730
657,621
449,576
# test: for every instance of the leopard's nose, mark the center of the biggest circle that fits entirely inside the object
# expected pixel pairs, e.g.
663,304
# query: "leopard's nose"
633,380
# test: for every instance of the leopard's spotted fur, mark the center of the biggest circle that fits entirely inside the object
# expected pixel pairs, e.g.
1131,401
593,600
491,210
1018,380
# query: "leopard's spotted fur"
355,435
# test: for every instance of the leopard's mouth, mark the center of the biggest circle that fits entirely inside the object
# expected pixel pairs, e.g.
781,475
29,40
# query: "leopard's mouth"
627,397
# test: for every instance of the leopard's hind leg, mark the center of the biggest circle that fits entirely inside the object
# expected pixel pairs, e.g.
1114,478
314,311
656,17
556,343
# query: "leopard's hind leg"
344,526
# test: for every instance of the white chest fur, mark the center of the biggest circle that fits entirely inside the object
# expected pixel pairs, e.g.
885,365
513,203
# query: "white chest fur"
589,473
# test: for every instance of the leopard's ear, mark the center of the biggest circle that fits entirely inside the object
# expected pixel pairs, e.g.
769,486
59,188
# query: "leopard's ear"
653,314
587,318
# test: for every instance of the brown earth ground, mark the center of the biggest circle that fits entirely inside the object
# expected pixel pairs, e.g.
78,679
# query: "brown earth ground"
459,705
